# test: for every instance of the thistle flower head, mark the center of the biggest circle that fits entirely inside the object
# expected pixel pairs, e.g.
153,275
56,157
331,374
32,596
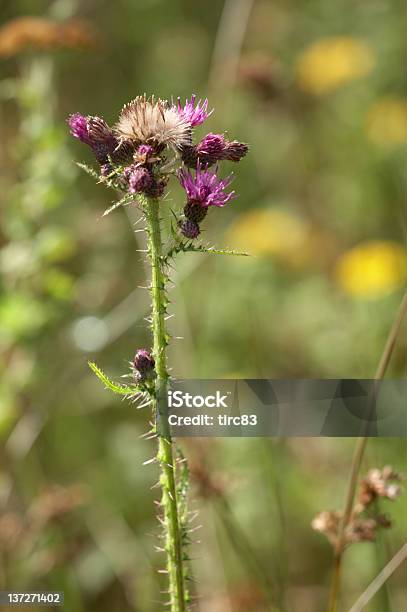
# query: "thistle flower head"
152,121
133,154
195,113
205,188
140,179
213,148
94,132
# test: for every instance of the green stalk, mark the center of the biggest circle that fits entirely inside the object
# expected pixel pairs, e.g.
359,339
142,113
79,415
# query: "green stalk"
165,456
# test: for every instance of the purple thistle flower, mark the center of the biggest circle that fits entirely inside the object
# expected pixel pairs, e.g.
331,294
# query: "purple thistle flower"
213,148
139,178
195,114
78,125
146,154
205,188
146,150
143,364
94,132
189,229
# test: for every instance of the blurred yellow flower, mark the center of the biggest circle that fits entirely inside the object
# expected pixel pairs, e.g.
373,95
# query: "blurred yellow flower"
387,121
276,232
330,62
372,269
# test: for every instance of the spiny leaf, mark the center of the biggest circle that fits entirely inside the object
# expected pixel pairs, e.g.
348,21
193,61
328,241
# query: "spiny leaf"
204,249
189,247
109,384
128,199
109,180
88,170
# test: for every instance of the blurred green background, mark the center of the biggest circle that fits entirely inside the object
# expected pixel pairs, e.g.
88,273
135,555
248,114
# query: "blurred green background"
319,90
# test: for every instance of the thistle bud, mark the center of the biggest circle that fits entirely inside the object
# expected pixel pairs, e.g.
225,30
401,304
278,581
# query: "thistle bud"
207,152
94,132
189,229
189,155
143,365
195,212
102,139
211,148
235,150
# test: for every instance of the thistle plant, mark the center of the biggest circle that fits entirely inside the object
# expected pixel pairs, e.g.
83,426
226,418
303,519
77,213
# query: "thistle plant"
152,142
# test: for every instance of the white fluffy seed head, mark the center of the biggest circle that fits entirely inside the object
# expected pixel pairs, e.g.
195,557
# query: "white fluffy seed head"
147,120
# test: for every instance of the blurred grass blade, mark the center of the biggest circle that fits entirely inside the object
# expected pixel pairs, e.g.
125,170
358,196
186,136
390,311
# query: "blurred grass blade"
380,579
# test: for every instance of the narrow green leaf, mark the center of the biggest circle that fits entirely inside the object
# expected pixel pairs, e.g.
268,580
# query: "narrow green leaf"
88,170
204,249
189,247
109,384
128,199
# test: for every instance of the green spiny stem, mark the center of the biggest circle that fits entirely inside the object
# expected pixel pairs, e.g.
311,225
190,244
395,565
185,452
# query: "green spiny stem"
173,535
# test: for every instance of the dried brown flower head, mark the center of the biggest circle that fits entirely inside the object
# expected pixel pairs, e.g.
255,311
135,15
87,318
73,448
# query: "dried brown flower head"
360,529
365,520
153,121
42,34
379,483
327,522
